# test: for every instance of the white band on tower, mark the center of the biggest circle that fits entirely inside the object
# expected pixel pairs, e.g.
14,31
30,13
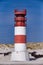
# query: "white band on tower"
20,47
20,30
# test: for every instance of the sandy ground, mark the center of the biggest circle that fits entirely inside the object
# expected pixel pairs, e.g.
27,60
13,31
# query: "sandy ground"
6,60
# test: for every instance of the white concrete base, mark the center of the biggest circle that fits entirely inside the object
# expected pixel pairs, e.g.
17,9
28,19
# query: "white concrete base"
19,56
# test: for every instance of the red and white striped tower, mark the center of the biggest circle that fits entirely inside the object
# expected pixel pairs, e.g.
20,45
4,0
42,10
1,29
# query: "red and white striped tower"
19,53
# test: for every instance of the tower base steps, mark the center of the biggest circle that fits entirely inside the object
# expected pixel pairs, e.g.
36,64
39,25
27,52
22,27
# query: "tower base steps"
19,56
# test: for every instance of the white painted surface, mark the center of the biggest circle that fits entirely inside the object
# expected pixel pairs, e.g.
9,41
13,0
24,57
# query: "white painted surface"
18,56
20,30
20,47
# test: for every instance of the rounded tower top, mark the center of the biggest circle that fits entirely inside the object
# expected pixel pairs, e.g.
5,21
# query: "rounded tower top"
21,13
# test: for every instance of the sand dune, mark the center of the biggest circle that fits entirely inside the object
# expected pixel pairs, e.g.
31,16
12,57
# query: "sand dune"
30,45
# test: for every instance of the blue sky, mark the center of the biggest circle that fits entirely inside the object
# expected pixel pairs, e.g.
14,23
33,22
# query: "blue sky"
34,19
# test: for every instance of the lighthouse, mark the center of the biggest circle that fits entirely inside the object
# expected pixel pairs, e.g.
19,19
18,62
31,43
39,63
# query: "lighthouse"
19,53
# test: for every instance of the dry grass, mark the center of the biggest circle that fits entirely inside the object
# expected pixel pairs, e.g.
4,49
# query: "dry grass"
35,45
29,45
